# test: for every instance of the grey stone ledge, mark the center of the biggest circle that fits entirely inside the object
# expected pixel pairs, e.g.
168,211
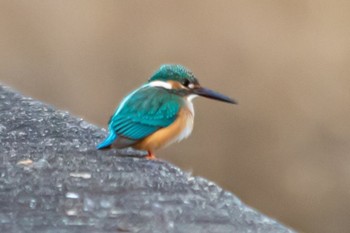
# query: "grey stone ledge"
52,179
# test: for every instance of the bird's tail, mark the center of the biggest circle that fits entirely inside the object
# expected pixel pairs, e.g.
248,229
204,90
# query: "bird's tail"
107,142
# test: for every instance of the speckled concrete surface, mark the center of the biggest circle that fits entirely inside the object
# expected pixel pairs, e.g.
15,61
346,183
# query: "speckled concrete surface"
52,179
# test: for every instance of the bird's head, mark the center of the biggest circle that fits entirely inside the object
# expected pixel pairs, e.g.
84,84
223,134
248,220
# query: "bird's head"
179,80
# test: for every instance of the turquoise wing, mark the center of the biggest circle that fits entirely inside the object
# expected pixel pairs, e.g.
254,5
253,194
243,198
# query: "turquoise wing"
145,111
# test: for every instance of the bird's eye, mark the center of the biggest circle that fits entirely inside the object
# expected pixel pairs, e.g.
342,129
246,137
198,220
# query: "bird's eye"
186,82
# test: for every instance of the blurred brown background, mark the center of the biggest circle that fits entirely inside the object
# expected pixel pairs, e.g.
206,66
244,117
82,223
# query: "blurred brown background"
283,150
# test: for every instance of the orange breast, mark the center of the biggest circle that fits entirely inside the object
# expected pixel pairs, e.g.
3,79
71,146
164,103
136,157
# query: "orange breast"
178,130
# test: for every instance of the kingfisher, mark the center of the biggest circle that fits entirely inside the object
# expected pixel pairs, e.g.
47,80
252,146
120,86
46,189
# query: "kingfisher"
158,113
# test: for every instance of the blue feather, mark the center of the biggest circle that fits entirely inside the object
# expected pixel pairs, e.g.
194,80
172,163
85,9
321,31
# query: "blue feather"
108,141
140,114
145,111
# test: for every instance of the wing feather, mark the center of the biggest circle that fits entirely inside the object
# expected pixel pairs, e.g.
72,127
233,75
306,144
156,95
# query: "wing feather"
145,111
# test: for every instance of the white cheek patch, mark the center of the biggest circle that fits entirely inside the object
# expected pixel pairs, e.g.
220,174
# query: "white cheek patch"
191,85
165,85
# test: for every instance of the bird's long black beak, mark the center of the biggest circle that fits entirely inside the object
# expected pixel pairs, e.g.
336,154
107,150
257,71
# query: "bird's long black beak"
205,92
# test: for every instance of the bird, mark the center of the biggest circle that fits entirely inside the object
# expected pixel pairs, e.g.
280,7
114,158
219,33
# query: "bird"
158,113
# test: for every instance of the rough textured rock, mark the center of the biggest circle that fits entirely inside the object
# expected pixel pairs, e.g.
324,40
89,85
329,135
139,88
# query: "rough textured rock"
52,179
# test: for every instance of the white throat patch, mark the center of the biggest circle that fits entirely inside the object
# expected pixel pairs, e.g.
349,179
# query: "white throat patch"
191,97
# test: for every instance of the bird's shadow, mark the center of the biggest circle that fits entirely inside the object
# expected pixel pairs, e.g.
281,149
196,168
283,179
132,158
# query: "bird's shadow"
126,153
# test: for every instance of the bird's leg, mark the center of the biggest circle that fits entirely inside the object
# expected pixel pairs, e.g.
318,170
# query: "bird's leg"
150,155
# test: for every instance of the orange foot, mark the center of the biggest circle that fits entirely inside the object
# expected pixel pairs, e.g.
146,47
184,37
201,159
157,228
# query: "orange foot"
150,156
